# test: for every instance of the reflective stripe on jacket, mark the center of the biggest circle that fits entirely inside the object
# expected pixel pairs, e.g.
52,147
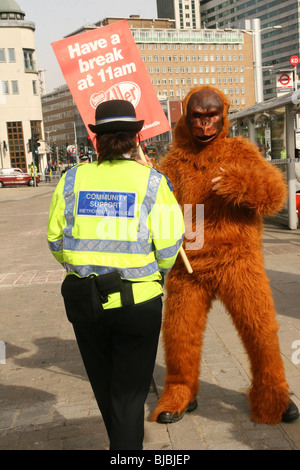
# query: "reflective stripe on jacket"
116,216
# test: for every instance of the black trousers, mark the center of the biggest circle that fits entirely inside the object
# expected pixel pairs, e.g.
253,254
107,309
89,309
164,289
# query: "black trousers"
119,356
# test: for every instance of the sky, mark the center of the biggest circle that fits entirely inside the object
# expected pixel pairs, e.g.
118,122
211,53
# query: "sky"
54,19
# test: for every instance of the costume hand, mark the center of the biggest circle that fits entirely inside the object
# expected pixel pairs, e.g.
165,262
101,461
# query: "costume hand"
216,187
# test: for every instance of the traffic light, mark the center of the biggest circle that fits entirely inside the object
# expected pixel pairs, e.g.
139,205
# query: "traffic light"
82,149
35,141
61,155
30,145
89,144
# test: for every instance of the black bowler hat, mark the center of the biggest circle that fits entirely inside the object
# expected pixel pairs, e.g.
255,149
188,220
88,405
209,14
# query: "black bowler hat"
116,116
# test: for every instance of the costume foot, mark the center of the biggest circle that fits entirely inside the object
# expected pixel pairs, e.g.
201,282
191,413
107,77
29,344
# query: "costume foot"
291,413
167,417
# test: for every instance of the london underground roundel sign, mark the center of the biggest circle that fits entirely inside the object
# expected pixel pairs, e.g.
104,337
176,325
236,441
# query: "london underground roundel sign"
294,60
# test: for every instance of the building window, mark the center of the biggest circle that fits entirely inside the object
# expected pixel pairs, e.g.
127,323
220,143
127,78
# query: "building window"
2,55
15,87
34,87
16,145
5,87
11,55
29,63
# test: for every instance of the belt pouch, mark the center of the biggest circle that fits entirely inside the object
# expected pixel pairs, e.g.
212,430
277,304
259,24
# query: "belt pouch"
112,282
82,300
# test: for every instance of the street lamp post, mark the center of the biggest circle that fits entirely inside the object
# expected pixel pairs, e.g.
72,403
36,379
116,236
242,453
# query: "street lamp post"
258,75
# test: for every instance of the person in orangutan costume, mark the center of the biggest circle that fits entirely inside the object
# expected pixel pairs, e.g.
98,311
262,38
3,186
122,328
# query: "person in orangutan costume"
237,188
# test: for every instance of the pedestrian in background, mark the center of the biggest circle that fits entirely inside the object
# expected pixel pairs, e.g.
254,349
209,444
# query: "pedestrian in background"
106,228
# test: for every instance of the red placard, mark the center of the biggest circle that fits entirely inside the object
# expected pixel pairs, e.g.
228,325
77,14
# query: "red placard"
105,64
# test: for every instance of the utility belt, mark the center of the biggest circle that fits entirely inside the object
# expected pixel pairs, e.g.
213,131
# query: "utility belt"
84,297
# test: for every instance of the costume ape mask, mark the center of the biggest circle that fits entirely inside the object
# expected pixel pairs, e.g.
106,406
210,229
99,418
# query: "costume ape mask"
205,116
237,188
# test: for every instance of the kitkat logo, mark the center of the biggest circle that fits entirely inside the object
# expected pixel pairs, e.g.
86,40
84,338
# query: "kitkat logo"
128,91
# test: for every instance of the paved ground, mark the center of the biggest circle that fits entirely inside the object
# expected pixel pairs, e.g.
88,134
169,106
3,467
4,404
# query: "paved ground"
45,398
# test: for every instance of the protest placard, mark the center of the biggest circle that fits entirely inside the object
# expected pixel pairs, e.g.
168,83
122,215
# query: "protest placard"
105,64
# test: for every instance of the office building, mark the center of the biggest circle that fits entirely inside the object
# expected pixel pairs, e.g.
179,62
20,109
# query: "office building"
20,101
178,60
185,12
63,126
278,45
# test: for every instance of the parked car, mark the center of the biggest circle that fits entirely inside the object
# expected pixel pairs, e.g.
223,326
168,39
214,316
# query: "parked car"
15,177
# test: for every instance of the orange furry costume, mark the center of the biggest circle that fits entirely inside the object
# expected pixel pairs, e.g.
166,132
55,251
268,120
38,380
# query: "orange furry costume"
229,265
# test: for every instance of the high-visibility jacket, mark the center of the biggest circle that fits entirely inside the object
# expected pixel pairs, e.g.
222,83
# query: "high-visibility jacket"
120,216
33,171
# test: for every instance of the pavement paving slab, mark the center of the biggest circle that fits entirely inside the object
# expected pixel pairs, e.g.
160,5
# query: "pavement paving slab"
46,402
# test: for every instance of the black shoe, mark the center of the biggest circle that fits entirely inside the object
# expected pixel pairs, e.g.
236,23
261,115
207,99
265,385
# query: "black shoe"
291,413
167,417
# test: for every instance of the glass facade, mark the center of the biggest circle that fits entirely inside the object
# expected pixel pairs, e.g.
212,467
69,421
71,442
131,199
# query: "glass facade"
277,45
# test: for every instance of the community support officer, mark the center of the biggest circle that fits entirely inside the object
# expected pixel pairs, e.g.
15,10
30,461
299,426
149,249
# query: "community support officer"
116,227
